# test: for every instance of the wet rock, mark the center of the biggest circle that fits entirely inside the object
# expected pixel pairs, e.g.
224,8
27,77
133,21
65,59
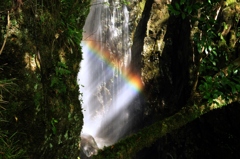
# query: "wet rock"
88,146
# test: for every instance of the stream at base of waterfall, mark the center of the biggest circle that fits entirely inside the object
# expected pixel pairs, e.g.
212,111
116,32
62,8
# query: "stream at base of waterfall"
109,90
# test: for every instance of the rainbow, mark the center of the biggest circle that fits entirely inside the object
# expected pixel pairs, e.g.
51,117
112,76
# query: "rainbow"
132,80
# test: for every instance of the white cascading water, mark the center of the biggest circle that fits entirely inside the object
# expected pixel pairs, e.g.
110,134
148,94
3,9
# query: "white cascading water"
105,77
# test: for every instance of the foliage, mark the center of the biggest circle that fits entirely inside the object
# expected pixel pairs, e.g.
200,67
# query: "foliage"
9,147
8,141
57,81
53,122
41,48
212,49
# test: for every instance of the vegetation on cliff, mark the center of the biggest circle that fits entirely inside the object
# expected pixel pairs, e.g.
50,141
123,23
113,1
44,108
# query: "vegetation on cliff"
39,61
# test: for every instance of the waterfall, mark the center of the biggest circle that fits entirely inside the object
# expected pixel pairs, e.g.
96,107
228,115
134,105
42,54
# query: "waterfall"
107,85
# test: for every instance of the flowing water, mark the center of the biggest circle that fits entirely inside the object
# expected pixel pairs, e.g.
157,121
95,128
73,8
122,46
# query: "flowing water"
109,88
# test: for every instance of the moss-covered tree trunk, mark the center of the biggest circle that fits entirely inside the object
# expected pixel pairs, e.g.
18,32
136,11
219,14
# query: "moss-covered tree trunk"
127,148
40,43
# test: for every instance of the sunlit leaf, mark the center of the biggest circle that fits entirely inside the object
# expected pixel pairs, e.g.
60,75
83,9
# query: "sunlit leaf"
206,51
210,48
214,52
214,63
235,72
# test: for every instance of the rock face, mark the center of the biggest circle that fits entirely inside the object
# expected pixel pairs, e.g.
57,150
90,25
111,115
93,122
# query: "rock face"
154,40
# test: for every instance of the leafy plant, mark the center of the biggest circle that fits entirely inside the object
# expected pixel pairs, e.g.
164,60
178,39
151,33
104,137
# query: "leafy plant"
184,8
8,142
57,81
53,122
216,81
62,69
217,76
9,147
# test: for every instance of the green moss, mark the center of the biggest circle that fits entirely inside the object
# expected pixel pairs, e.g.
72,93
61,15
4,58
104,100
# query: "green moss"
142,4
229,2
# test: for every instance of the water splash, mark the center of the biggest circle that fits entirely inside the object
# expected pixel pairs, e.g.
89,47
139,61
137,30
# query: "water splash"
106,81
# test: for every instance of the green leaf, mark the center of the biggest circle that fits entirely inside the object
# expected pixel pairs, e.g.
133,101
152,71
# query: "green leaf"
172,10
225,25
189,10
54,81
235,71
53,126
214,52
175,12
210,48
238,87
36,86
208,78
234,90
214,63
182,2
206,51
177,6
207,96
215,95
199,47
215,69
54,130
196,6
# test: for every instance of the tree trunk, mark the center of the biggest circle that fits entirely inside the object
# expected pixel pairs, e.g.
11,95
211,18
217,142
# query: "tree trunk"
128,147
